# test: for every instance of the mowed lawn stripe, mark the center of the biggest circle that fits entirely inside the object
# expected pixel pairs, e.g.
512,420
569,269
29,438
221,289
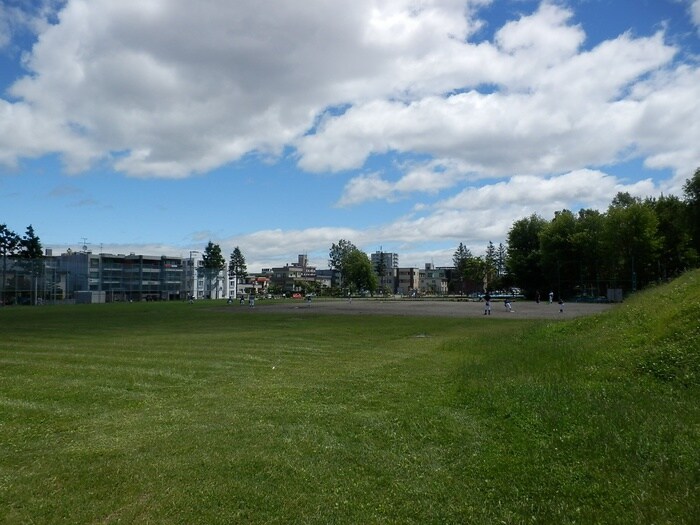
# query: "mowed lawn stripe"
177,413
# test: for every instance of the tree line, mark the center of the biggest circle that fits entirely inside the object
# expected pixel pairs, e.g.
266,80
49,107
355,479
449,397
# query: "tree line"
213,263
633,243
28,251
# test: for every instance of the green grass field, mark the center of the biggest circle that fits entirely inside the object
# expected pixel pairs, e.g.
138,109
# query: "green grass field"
178,413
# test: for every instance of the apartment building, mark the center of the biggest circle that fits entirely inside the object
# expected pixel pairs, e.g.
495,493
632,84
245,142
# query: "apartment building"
391,260
434,281
126,277
407,281
108,277
385,265
328,278
293,277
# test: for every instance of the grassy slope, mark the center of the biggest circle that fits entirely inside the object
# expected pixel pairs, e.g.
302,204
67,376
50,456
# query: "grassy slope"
597,419
178,413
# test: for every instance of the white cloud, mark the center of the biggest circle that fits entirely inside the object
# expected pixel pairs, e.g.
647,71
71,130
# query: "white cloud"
173,89
429,177
169,88
33,17
165,89
695,12
556,111
475,216
544,36
478,215
591,188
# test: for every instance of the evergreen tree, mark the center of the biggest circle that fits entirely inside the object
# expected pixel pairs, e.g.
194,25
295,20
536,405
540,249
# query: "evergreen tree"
380,269
501,255
460,260
631,242
212,264
691,191
32,259
676,252
558,260
524,261
9,243
490,264
237,267
31,245
588,250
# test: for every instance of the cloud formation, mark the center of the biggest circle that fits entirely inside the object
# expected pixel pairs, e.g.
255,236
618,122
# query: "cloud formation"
695,13
163,89
528,116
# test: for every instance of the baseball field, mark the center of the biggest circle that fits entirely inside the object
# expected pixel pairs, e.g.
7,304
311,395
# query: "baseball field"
353,412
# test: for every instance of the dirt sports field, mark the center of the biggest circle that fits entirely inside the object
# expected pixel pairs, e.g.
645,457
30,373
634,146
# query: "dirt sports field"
423,307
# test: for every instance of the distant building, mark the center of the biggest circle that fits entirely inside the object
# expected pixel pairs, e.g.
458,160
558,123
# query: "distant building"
434,281
125,277
407,281
328,278
387,277
74,276
391,260
295,277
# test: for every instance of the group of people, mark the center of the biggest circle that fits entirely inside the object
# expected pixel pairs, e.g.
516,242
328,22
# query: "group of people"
487,304
509,307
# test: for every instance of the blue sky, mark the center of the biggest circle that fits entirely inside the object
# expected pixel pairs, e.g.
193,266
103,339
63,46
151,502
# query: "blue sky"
155,126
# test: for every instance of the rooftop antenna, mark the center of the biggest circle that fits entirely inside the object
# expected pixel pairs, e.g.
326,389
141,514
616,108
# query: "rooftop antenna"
84,244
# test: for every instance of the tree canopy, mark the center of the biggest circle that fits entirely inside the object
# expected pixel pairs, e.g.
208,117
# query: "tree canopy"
237,266
27,249
212,264
633,243
359,274
338,254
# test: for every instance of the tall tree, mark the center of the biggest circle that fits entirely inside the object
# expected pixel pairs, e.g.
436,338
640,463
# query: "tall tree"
478,270
556,253
237,267
501,256
380,267
32,255
676,252
380,270
359,274
523,261
338,254
212,265
587,247
691,191
461,257
631,242
460,260
491,264
9,243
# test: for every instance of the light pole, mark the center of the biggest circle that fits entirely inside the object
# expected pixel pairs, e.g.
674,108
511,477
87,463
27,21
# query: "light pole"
192,286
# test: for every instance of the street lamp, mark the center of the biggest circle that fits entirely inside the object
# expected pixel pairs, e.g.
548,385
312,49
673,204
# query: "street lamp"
192,286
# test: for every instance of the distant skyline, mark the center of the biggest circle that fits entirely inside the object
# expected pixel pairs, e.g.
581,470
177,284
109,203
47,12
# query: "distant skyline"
155,126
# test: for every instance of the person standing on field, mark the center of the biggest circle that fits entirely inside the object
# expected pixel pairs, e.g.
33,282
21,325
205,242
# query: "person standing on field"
487,304
551,297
